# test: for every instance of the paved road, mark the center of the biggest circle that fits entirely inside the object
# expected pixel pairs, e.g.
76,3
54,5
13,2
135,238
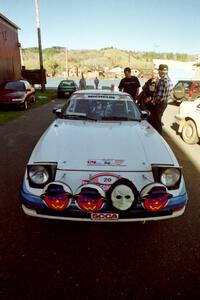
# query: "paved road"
43,259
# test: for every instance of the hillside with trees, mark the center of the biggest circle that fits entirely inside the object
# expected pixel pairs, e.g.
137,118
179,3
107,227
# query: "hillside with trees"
54,59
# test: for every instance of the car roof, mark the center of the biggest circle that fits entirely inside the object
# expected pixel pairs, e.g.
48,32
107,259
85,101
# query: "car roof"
189,80
67,80
101,94
21,80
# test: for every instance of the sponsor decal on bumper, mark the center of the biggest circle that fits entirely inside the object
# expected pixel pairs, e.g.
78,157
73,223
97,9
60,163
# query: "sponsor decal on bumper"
104,216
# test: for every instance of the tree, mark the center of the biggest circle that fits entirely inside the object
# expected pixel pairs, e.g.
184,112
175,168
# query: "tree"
52,67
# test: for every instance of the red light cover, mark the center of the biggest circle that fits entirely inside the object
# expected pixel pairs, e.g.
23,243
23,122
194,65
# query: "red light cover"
57,202
56,196
156,202
89,204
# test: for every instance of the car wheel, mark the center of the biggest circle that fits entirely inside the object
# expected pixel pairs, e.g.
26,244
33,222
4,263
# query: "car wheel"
189,132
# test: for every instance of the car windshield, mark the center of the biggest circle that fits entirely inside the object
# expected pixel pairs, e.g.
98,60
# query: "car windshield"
98,109
185,84
16,86
66,83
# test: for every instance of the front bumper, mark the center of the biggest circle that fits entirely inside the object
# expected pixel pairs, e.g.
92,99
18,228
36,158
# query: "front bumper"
34,206
11,103
88,216
65,93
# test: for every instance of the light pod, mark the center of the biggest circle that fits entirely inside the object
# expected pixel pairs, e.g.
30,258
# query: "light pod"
154,196
122,197
90,197
57,196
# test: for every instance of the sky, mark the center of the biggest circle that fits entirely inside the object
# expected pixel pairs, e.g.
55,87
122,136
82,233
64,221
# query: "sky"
136,25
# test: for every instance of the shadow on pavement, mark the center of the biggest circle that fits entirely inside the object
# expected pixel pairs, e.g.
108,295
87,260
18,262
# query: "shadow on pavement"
175,127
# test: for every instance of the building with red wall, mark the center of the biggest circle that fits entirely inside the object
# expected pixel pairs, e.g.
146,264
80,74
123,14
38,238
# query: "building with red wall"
10,62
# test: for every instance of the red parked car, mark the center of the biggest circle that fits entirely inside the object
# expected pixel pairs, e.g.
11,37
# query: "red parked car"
186,90
17,93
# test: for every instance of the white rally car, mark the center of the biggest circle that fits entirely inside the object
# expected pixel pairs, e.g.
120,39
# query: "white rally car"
100,160
189,121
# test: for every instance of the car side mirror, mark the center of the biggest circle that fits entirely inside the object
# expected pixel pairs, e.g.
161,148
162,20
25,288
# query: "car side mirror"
145,114
28,90
57,111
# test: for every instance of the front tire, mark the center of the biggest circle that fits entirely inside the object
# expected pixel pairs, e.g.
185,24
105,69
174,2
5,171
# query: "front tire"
189,132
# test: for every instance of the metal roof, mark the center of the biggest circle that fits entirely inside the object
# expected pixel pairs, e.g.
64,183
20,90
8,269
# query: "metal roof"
8,21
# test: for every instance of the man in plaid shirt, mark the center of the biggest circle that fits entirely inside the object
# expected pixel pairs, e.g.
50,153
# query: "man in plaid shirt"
161,96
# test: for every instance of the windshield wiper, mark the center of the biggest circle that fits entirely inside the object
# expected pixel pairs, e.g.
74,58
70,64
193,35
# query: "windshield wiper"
115,118
79,116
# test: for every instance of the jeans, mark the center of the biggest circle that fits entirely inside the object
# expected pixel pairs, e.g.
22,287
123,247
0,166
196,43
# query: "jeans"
156,115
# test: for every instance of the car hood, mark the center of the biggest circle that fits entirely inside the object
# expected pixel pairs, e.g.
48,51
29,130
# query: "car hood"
80,145
188,107
10,94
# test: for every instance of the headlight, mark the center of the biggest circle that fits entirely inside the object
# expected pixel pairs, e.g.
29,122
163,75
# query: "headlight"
169,176
39,175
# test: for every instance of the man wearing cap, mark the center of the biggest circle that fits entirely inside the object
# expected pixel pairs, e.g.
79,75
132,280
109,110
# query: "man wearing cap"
129,84
161,96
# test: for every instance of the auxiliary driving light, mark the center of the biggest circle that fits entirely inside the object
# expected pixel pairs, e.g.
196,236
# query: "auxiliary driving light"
90,197
122,197
154,196
57,196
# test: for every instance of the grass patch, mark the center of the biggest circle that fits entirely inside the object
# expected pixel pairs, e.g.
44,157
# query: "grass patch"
12,113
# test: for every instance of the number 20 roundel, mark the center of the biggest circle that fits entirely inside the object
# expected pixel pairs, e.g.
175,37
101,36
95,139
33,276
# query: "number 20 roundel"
104,180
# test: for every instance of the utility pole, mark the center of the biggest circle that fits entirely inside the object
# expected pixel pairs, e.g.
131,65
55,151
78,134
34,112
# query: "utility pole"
40,46
66,61
129,59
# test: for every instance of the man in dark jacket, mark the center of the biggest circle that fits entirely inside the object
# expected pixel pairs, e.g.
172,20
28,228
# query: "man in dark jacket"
129,84
146,96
